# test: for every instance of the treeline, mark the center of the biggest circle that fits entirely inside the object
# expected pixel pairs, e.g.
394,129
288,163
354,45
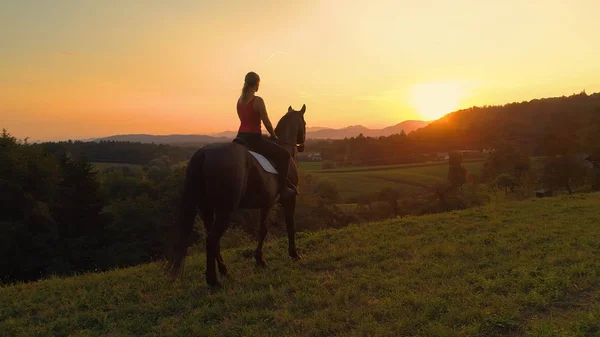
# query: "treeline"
396,149
120,152
59,215
537,128
534,127
361,150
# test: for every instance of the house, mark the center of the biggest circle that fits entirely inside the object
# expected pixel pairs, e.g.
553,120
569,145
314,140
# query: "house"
463,152
543,193
442,156
595,161
585,160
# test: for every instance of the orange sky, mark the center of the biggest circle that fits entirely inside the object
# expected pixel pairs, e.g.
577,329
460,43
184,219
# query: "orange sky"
82,69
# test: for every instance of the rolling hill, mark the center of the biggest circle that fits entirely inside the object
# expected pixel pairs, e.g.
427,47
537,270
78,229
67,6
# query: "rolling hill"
353,131
527,268
164,139
312,133
538,126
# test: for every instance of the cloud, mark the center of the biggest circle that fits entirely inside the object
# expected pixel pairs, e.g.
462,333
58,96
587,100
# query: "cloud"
67,54
277,53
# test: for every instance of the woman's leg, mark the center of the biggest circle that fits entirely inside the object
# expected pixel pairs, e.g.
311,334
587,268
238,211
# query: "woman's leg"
281,160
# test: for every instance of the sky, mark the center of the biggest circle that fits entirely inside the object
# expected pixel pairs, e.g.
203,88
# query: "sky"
77,69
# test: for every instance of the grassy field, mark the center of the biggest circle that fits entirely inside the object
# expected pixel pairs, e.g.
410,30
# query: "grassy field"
407,179
529,268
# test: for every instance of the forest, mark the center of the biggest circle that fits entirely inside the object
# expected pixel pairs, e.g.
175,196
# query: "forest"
539,127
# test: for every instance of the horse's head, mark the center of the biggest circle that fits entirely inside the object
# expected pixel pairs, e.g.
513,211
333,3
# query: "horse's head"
291,129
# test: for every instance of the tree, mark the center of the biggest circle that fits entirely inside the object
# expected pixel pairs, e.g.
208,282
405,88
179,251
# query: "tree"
327,190
27,227
563,172
365,200
78,210
442,192
506,159
506,181
457,174
390,196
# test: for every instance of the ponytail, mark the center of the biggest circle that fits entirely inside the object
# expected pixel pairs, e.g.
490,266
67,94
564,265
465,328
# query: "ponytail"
250,80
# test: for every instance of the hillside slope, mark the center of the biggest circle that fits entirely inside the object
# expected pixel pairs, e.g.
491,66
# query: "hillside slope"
312,133
353,131
538,126
528,268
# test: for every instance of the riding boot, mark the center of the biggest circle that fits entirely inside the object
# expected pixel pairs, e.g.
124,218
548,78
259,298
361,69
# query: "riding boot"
284,190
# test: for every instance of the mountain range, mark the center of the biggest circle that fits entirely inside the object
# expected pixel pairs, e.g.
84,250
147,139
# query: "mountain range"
311,133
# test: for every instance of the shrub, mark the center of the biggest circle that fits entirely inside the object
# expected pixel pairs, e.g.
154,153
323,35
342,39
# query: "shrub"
328,165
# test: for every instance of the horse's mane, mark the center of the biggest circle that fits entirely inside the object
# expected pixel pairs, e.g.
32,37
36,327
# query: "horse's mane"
283,119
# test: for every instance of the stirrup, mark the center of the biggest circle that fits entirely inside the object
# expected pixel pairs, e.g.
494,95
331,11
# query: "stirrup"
289,192
294,188
240,141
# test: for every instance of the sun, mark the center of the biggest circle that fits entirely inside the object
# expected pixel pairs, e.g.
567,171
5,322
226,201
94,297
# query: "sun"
434,100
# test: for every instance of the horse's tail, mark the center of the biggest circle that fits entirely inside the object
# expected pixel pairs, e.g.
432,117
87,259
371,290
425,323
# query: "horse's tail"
193,192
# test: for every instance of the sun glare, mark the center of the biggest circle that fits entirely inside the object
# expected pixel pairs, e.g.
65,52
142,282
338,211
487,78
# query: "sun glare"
434,100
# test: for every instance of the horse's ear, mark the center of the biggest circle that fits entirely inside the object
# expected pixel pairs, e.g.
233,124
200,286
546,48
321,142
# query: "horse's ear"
290,108
303,110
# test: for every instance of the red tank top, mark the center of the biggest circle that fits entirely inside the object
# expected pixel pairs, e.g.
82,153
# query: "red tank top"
249,117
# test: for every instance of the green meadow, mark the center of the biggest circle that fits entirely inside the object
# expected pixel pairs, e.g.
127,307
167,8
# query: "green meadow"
529,268
407,179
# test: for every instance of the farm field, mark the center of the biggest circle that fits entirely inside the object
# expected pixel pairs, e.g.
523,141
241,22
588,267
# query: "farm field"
407,179
529,268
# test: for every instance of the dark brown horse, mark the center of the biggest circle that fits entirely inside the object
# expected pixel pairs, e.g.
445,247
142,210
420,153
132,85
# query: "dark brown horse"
225,177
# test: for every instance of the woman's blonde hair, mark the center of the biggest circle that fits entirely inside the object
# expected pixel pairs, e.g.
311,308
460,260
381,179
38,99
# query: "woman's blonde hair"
250,80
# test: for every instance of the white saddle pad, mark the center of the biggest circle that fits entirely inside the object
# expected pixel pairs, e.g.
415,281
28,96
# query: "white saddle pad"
264,162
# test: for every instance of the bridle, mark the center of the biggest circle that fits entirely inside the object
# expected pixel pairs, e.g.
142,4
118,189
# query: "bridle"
298,146
281,142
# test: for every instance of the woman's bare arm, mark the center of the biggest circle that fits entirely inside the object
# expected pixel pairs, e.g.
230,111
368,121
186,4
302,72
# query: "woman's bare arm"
259,104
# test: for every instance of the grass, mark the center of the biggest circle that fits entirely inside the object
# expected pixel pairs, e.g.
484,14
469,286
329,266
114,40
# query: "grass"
407,179
529,268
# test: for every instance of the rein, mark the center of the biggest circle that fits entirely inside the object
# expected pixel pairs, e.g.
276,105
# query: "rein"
298,146
280,142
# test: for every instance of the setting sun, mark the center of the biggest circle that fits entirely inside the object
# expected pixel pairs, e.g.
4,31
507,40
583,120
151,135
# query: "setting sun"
434,100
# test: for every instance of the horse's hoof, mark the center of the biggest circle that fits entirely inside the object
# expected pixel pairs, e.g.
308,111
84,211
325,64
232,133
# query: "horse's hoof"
213,281
214,284
295,256
261,264
258,256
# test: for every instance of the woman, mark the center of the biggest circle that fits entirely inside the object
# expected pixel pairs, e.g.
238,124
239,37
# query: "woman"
251,110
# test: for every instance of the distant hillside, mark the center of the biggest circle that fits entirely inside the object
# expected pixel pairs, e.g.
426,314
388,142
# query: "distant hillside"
514,269
232,134
165,139
355,130
535,126
312,133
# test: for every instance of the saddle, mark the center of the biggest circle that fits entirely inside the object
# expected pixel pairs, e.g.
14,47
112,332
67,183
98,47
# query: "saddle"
265,163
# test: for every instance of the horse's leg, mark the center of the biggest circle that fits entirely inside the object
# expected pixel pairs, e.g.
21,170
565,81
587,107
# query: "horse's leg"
262,233
220,262
208,217
212,246
289,208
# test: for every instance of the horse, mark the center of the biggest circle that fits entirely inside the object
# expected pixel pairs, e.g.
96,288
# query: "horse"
224,177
